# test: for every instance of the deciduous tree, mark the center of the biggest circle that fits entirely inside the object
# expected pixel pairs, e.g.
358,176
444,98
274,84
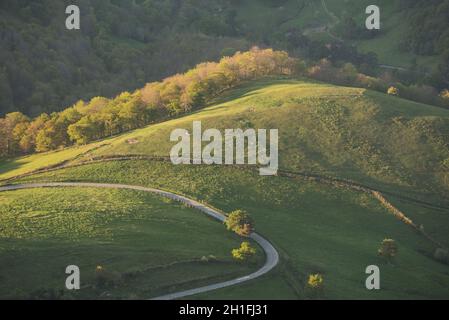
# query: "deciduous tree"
240,222
243,253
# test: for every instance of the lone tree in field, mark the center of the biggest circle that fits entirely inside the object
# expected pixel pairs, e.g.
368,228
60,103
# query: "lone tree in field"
315,286
388,249
393,91
244,252
240,222
315,281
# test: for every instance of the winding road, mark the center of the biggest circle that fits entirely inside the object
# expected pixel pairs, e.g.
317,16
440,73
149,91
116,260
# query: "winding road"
271,254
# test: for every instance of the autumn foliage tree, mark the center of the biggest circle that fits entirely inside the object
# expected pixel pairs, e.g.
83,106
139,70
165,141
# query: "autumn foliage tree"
315,286
393,91
87,121
240,222
388,249
245,252
101,117
315,281
28,139
12,127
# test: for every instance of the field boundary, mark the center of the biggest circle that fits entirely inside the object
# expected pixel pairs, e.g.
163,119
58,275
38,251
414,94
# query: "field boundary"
373,192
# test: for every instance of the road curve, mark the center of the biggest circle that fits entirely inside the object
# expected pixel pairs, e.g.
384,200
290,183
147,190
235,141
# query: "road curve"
271,254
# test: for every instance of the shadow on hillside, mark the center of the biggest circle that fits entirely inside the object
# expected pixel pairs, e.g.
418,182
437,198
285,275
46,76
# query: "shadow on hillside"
8,165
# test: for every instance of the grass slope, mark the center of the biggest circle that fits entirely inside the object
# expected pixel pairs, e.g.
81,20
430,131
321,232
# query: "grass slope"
153,243
339,131
316,228
372,138
29,163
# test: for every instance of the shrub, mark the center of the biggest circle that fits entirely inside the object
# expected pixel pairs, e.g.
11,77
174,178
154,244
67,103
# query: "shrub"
314,286
388,249
243,253
315,281
240,222
393,91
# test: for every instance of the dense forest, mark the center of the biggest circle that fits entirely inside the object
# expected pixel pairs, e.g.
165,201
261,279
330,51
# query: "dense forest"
121,45
428,34
429,28
124,44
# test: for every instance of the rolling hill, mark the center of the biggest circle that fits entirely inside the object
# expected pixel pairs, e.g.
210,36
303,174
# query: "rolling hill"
395,146
343,132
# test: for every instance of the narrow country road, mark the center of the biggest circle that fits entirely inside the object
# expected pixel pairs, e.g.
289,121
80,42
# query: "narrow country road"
271,254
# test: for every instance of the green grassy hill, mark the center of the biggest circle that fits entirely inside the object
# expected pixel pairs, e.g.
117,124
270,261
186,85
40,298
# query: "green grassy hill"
316,228
148,245
391,144
351,133
343,132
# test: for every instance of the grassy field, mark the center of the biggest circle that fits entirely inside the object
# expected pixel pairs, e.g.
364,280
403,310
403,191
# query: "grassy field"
316,228
375,139
13,167
398,146
148,244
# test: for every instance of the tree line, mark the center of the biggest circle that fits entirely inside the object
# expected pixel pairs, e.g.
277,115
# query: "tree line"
101,117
